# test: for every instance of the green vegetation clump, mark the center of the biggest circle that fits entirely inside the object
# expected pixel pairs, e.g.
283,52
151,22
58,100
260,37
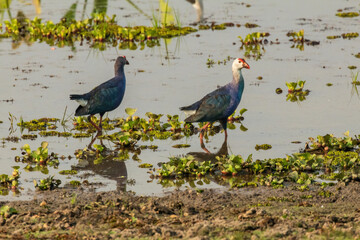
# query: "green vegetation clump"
6,211
251,25
333,37
344,35
47,184
39,159
350,35
263,147
296,92
9,182
29,136
38,124
253,44
145,165
327,157
181,146
75,183
68,172
131,129
254,38
347,14
297,36
39,156
97,30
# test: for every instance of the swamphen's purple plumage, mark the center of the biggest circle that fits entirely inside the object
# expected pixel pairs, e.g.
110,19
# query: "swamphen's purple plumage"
219,104
105,97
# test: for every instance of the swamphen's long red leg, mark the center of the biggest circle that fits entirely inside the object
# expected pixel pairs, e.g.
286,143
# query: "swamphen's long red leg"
201,137
95,126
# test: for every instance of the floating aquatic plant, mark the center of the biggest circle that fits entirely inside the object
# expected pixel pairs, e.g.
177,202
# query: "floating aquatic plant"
263,147
344,36
49,183
98,29
347,14
296,92
68,172
330,143
9,182
297,36
350,35
298,39
295,86
38,124
254,38
327,157
251,25
39,159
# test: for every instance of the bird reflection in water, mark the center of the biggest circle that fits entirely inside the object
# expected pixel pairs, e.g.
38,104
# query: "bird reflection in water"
208,156
105,166
199,7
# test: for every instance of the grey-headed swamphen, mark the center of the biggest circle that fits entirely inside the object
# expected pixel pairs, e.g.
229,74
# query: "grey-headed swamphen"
219,104
105,97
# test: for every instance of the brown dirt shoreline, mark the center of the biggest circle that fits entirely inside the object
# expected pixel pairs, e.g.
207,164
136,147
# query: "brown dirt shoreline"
249,213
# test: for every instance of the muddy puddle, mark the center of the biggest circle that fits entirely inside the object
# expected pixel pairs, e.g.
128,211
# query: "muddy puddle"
36,80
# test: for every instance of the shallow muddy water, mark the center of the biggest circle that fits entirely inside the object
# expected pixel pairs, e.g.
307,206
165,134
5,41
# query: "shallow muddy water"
38,78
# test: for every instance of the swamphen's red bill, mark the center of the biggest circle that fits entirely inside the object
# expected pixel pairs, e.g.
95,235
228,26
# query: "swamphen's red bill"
245,64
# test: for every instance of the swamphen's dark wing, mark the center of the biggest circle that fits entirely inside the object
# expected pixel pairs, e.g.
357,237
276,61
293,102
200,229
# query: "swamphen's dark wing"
104,98
210,108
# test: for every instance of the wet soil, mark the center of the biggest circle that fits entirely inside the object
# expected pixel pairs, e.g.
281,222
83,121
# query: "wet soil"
249,213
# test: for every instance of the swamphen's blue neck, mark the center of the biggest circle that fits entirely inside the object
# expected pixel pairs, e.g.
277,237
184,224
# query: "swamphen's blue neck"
119,70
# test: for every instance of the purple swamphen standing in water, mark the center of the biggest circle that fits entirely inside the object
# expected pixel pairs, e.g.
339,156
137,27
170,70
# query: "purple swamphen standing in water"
219,104
105,97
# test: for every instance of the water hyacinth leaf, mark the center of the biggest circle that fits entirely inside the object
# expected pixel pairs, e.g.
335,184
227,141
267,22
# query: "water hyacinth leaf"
44,144
130,111
231,126
98,147
294,175
27,149
243,128
242,111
